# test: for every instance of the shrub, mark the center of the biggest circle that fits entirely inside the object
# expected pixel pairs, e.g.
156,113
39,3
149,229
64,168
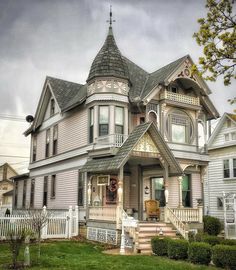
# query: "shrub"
212,225
224,256
228,242
199,253
177,249
211,239
159,245
199,236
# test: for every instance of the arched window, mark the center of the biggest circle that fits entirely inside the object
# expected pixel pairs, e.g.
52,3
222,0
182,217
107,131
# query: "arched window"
179,127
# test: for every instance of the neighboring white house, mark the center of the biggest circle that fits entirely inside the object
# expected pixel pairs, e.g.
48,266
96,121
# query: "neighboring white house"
221,174
124,137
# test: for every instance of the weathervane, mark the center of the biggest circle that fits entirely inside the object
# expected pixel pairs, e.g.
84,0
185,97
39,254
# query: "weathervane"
110,20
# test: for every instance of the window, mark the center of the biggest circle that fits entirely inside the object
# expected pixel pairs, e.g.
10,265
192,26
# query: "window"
55,139
32,188
234,167
81,189
119,120
228,123
174,89
159,190
186,191
47,143
91,124
227,137
45,191
24,194
53,186
52,107
16,194
226,169
233,135
141,120
34,148
219,203
179,127
103,120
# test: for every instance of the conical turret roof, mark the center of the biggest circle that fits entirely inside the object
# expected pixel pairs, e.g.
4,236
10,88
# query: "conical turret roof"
109,61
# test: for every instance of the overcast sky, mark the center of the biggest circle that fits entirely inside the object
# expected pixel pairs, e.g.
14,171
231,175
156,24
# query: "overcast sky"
60,38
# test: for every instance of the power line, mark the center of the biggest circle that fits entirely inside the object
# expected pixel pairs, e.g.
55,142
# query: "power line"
12,117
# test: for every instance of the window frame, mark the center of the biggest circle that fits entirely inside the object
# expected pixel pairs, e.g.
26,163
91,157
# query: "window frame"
16,194
47,146
53,186
162,200
91,124
228,169
24,194
81,181
52,107
34,148
219,203
55,140
45,190
123,120
189,191
32,192
100,125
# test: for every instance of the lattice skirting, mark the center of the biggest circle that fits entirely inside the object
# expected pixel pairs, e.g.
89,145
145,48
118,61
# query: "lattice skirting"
102,235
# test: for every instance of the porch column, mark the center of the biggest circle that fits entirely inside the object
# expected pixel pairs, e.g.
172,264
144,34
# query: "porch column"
180,178
89,190
120,187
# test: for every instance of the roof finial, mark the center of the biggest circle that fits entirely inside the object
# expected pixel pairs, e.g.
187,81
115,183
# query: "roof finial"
110,20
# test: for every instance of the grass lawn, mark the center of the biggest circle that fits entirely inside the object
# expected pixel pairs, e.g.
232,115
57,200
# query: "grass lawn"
77,255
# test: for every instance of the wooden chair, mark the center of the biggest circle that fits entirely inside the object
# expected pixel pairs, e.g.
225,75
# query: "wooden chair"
152,209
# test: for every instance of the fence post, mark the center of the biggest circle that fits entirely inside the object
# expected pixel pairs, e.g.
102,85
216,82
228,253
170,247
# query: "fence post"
76,220
70,222
200,213
44,229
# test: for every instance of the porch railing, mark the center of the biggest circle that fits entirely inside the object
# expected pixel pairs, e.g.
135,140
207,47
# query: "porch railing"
102,213
115,140
175,220
187,215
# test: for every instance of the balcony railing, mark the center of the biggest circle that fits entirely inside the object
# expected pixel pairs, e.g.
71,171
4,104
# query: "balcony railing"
180,98
112,140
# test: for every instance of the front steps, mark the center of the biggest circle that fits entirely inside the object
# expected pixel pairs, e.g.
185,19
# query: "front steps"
147,230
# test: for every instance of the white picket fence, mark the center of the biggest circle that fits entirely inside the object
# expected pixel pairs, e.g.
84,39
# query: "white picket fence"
63,225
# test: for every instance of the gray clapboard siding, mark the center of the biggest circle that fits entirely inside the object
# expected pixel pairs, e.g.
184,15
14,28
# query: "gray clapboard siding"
20,194
41,142
38,193
73,132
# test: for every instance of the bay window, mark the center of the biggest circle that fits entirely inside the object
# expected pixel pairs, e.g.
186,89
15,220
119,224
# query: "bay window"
103,120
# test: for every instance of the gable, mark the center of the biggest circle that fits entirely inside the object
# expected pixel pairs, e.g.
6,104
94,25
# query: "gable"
146,144
225,127
47,113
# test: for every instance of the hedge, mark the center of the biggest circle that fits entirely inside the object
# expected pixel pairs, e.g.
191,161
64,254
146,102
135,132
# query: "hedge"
228,242
160,245
178,249
211,239
224,256
212,225
199,253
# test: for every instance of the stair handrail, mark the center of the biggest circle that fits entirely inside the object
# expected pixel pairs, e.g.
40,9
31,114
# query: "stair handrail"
178,224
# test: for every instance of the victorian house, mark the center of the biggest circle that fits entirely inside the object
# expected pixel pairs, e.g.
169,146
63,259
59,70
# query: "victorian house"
124,137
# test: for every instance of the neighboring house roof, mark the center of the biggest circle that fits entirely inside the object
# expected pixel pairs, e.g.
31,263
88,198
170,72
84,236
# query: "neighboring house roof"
9,166
123,154
9,193
20,177
7,181
109,61
219,126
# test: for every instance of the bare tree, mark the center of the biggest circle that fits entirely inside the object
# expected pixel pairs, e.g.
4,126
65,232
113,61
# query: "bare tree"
37,220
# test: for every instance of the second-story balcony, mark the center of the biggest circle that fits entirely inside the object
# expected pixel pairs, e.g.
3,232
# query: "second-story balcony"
111,140
181,98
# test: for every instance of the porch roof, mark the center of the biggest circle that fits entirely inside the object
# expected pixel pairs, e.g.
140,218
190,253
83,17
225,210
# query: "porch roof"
123,154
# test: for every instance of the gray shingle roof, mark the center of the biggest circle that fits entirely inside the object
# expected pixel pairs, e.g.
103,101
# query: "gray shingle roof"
114,163
109,61
67,94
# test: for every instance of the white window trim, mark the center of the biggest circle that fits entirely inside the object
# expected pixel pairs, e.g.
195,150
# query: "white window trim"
231,177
